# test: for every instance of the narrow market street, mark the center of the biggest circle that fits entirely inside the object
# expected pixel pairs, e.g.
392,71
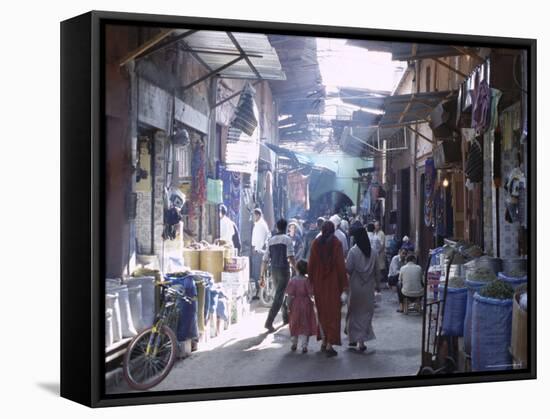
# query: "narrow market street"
317,168
246,351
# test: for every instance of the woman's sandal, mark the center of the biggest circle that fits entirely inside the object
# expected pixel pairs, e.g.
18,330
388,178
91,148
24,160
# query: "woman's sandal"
293,347
304,350
323,347
362,348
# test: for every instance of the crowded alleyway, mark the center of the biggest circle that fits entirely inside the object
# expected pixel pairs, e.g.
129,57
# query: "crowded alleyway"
360,158
246,351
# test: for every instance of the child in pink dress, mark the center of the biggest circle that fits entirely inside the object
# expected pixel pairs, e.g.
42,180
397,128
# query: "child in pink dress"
302,321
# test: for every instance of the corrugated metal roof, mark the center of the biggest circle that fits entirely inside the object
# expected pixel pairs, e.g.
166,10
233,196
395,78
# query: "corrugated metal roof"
403,51
405,109
216,49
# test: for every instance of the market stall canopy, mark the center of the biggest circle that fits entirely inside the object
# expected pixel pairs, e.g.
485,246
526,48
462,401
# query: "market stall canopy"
296,158
407,109
302,92
404,51
224,54
259,60
364,98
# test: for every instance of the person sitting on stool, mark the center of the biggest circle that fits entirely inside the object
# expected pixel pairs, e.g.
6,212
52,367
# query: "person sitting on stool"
396,263
410,282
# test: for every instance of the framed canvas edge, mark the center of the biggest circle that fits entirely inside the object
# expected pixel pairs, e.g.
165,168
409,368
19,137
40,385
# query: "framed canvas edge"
97,398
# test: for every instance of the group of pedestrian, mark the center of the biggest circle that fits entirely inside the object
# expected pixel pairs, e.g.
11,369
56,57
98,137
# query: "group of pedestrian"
333,275
317,269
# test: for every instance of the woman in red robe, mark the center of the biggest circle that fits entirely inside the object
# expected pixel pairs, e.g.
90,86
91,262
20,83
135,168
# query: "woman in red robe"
327,273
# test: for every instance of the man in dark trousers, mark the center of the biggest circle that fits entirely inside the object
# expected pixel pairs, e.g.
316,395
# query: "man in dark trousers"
280,253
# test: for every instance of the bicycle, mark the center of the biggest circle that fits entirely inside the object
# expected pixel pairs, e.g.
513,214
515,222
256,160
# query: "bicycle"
267,291
152,353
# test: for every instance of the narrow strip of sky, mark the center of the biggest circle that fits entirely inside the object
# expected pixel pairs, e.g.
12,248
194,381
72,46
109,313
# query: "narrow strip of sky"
343,65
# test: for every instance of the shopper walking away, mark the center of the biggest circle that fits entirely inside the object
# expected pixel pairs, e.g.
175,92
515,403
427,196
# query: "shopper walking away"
339,234
310,235
410,282
302,322
361,264
395,265
260,236
327,273
280,253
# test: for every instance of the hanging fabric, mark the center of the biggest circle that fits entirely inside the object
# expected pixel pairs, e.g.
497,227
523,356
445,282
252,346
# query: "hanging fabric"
481,110
474,163
429,186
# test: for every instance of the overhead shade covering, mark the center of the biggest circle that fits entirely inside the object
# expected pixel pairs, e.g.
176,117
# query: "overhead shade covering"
404,51
303,91
364,98
215,49
297,158
405,109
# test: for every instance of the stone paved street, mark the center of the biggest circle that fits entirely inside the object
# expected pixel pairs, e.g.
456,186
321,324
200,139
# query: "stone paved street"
246,355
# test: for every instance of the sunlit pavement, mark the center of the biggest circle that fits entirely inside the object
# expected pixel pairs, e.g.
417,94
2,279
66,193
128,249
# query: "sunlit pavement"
246,354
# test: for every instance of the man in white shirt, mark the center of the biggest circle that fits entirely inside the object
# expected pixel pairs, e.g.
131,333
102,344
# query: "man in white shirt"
260,236
226,226
410,282
395,265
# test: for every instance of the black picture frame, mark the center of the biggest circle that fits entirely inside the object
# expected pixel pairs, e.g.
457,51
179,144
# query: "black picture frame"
83,210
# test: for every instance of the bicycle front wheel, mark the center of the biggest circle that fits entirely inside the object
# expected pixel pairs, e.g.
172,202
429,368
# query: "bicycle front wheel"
144,369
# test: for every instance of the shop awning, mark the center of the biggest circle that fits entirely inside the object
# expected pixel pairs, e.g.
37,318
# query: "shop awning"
364,98
298,158
259,60
407,109
223,54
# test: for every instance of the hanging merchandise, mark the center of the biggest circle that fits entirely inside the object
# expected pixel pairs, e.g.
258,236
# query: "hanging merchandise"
514,181
268,210
429,186
298,193
439,211
198,176
474,163
495,99
231,192
481,110
497,158
245,118
214,191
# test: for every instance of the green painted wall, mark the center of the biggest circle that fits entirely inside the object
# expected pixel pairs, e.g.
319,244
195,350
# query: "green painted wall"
345,167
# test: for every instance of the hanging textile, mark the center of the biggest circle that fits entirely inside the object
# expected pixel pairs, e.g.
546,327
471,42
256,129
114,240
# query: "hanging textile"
245,118
269,214
198,176
481,110
474,163
298,194
231,193
429,186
